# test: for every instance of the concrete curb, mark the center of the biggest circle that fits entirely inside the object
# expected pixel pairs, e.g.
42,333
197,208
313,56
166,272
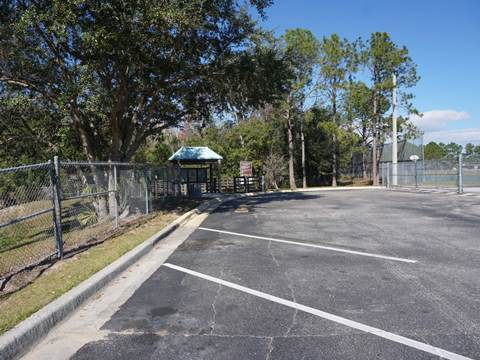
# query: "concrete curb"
17,341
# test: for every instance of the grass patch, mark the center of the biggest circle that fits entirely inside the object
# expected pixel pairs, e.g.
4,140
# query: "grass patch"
31,240
68,273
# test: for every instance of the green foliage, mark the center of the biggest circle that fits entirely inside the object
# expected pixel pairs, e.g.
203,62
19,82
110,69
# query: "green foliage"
249,140
469,149
338,61
342,125
100,80
158,149
86,214
25,121
301,49
434,151
319,131
384,58
453,149
121,72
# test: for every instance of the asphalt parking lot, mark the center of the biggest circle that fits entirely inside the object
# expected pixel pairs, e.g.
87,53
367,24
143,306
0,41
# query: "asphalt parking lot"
320,275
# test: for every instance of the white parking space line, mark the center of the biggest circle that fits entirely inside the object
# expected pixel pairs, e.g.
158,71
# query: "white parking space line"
312,245
328,316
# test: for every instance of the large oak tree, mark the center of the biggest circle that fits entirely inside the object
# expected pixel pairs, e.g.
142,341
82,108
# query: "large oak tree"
119,71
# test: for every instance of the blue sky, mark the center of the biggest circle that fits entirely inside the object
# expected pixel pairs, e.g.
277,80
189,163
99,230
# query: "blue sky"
443,38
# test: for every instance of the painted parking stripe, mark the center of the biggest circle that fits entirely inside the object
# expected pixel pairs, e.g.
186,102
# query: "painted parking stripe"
312,245
328,316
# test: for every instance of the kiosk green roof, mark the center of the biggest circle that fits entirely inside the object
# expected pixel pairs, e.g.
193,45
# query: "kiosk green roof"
198,154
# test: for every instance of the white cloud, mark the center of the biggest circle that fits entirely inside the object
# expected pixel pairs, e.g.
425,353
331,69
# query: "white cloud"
459,136
435,120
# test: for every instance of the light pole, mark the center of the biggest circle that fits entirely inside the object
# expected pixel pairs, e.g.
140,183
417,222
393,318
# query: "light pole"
394,132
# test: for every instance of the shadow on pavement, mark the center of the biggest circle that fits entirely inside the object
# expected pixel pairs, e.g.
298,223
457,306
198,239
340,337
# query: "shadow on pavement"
258,200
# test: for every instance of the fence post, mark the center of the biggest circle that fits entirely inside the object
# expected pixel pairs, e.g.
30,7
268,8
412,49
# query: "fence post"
115,189
57,205
460,173
147,208
166,186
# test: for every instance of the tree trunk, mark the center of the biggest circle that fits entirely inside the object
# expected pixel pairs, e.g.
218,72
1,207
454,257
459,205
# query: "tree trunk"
275,185
100,204
291,170
365,150
334,161
304,169
334,139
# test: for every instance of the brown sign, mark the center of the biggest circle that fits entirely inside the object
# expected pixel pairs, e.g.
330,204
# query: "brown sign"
246,168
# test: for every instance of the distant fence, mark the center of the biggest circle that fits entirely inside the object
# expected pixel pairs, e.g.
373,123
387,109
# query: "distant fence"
246,184
49,208
460,173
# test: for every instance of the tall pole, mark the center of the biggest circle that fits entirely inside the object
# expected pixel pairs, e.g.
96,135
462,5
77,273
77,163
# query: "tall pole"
460,173
394,132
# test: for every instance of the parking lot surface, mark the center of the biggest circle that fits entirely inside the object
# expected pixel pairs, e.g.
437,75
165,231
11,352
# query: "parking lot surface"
361,274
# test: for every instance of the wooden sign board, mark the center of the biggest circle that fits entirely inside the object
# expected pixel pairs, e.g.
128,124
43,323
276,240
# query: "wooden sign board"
246,168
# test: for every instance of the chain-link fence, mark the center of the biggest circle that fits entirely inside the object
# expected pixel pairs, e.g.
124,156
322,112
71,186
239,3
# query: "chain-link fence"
26,216
51,208
471,173
460,173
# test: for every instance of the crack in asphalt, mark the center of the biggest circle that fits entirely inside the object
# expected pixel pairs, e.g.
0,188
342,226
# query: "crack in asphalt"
270,347
290,287
214,310
294,317
271,254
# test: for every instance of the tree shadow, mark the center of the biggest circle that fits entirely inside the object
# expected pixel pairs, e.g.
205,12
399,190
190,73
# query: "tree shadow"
257,201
